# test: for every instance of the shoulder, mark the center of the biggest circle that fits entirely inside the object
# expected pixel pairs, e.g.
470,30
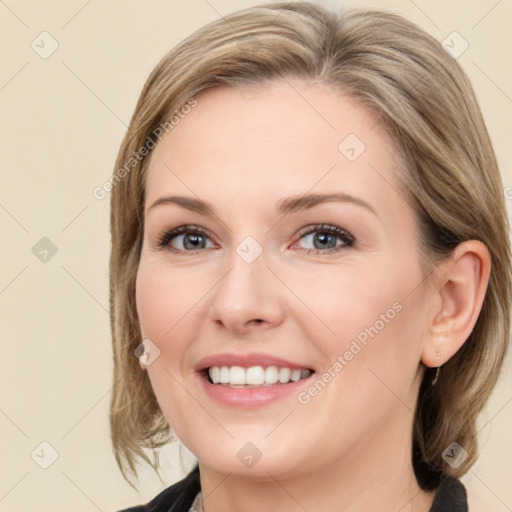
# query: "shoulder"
450,496
176,498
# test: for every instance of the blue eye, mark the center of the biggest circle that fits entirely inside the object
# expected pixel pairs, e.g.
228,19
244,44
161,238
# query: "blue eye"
326,238
190,238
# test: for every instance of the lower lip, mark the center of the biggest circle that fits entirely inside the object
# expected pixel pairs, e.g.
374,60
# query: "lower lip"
250,397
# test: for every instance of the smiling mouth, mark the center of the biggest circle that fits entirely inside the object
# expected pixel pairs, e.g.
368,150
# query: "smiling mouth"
254,376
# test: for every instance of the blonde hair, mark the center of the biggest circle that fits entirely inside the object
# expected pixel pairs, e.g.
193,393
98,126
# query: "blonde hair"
424,99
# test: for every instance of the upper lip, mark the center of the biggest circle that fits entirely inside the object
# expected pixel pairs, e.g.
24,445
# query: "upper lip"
246,361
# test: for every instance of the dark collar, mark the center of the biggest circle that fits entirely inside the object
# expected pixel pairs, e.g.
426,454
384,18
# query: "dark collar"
450,497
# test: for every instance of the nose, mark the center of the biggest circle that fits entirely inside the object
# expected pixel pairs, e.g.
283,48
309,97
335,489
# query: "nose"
247,298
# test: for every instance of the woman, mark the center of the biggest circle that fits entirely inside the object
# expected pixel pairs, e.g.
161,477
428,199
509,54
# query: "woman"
310,269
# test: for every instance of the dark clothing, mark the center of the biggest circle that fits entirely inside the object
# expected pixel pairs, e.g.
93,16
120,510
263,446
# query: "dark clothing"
176,498
450,496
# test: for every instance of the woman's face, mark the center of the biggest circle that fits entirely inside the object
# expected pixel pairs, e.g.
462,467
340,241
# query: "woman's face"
297,253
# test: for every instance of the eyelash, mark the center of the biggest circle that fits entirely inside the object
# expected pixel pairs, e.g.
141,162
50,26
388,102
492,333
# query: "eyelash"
347,239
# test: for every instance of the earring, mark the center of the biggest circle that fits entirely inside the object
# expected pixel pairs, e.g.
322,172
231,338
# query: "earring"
434,381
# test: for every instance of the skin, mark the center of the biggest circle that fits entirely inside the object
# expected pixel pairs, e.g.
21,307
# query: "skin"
243,151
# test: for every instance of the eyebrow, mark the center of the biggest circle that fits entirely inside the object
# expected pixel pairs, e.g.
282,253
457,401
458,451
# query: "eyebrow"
285,206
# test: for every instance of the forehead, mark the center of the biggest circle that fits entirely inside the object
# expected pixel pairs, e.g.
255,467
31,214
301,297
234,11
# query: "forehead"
283,135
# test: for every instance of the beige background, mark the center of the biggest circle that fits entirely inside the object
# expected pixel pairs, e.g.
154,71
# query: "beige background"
62,122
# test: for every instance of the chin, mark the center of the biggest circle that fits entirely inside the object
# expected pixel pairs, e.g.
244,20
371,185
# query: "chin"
247,460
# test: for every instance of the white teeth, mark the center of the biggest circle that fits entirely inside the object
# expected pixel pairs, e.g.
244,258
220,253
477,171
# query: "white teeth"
284,375
215,374
237,376
296,375
255,375
223,375
271,375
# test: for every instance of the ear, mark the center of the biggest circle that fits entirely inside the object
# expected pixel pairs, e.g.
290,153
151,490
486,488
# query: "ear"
461,287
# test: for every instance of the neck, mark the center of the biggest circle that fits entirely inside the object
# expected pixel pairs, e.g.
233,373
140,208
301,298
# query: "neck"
376,475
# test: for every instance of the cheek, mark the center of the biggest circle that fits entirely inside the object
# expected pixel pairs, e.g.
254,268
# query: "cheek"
369,316
162,299
162,306
371,357
345,300
150,303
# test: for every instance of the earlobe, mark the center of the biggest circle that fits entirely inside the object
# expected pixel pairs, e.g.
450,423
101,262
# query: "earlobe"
461,287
